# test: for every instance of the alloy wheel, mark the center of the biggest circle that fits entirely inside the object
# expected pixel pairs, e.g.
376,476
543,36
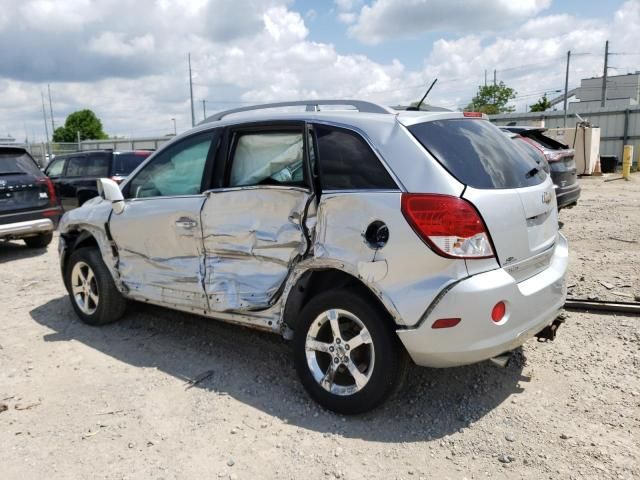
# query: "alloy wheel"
84,288
340,352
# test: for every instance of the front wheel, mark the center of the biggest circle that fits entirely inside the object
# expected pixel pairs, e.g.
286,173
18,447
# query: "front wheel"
347,356
94,295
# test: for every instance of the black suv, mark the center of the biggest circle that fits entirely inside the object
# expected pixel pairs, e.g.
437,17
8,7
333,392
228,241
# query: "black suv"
29,209
74,174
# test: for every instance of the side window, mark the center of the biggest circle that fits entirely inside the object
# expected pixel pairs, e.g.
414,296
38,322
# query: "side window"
90,165
125,163
177,171
55,168
76,166
267,158
347,162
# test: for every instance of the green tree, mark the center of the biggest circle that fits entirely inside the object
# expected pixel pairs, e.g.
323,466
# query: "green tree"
492,99
541,105
84,121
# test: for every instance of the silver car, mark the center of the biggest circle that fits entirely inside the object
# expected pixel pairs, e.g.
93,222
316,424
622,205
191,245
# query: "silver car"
370,237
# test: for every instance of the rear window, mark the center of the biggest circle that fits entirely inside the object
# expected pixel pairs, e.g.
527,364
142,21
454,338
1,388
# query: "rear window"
478,154
125,163
545,141
17,162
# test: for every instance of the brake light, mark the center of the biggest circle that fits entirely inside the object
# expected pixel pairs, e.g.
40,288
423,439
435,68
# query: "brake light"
51,191
451,226
472,114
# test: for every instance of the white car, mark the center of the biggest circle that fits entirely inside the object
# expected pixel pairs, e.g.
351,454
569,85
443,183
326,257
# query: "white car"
369,236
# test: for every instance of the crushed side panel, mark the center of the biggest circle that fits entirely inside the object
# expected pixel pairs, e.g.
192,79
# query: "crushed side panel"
92,217
252,239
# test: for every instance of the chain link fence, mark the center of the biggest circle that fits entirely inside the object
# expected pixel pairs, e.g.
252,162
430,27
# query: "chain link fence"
44,152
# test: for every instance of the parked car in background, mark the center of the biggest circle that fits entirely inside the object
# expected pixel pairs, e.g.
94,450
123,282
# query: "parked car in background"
74,174
29,209
368,237
535,153
561,162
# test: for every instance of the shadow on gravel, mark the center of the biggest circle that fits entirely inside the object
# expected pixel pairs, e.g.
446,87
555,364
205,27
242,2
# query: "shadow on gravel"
10,251
256,368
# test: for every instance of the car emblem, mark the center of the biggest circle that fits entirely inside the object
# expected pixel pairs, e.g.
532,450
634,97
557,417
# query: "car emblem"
546,197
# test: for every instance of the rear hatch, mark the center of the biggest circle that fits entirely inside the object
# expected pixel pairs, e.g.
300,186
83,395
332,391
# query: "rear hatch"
561,158
23,186
503,181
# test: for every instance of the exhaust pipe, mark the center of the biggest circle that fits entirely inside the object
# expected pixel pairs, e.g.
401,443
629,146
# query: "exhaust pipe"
548,333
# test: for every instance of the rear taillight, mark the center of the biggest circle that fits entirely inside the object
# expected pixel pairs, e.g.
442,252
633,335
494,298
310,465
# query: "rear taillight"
450,225
51,191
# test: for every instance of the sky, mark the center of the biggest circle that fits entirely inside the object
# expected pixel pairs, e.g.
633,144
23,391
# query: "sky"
127,61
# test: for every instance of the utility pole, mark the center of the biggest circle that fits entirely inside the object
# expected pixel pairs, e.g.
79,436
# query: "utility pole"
495,82
175,130
603,102
193,115
204,109
485,77
53,125
566,89
46,131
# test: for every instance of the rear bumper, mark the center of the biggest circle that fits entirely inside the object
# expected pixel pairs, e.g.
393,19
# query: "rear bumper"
531,305
27,228
568,195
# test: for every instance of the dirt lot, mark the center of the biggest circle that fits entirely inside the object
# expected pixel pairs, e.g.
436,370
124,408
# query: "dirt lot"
115,402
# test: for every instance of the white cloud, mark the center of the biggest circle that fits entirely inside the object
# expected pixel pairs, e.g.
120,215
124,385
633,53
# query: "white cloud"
386,19
131,69
117,45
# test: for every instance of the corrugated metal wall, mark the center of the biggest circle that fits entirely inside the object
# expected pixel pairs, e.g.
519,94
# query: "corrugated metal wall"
617,127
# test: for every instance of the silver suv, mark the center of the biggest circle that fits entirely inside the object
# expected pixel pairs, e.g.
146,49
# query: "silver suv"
366,235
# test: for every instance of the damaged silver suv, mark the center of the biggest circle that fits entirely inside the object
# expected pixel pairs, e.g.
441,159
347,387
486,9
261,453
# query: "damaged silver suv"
368,236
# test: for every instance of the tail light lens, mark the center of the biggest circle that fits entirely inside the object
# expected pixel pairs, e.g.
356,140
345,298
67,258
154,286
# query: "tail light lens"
450,225
51,191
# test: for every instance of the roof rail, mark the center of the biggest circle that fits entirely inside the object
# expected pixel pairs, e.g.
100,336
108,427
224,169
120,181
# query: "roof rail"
311,106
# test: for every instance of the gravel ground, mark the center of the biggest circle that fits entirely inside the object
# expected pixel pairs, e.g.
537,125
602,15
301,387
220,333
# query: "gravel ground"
116,402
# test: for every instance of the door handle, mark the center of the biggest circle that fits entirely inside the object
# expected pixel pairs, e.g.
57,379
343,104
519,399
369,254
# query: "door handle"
187,223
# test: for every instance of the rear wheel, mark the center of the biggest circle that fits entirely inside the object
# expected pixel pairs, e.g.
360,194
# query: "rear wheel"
39,241
94,296
347,356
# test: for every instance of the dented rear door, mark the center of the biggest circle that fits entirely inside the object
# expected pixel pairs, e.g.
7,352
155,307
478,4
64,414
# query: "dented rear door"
252,224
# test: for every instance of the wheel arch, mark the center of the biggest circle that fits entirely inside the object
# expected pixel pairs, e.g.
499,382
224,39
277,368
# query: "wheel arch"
82,236
317,280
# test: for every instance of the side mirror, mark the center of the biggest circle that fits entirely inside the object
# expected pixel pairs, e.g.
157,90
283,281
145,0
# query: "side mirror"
110,191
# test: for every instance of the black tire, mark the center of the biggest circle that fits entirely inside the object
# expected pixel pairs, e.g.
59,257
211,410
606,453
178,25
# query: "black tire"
111,304
390,359
39,241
